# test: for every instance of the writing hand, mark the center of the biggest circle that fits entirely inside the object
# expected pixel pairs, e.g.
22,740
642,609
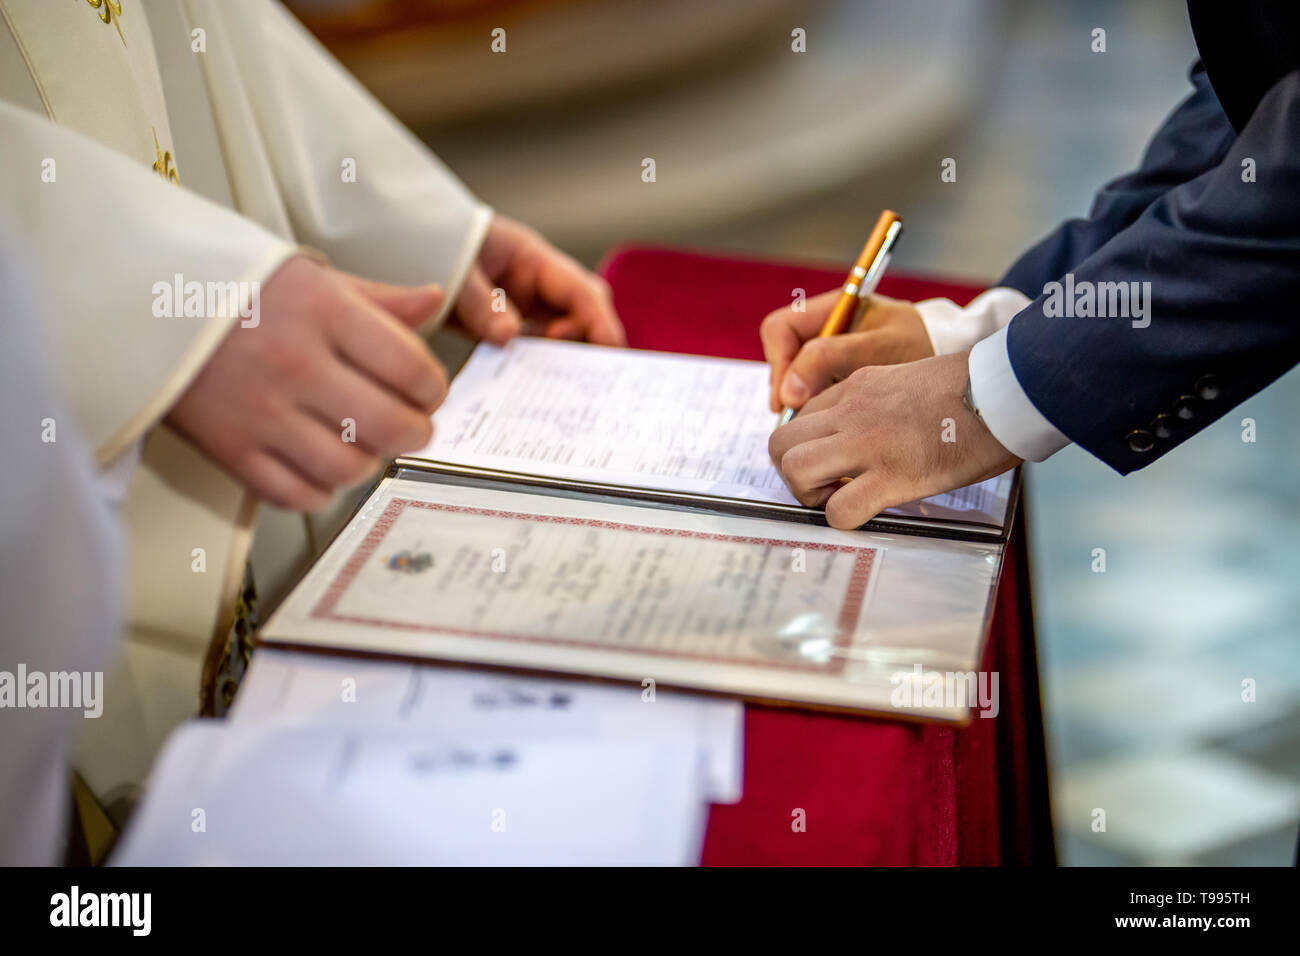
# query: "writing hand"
890,331
886,429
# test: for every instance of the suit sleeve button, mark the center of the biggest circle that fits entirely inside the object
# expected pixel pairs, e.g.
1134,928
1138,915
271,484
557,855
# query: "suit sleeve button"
1185,407
1208,387
1164,426
1141,440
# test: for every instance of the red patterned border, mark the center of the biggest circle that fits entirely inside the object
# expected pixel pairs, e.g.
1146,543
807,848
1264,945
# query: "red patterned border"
854,596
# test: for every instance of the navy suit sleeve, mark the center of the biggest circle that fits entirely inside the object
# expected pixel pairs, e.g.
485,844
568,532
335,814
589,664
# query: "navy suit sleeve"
1222,256
1194,138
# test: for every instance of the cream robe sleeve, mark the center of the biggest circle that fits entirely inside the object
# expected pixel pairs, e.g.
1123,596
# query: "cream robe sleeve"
106,230
403,217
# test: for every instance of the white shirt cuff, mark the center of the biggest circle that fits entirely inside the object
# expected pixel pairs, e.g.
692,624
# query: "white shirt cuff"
953,328
1004,406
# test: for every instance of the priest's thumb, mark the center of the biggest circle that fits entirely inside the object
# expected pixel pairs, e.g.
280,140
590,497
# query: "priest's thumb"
412,305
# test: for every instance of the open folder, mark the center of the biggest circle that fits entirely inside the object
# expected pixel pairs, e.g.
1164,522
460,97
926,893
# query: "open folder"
613,513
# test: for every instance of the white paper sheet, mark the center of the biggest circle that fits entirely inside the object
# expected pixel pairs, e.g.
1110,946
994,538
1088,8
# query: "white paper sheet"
297,689
226,794
646,419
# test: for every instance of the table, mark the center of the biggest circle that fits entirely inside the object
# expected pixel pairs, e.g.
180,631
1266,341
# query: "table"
872,791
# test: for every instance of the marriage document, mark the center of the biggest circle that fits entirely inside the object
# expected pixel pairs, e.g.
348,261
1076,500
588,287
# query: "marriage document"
584,582
642,419
750,607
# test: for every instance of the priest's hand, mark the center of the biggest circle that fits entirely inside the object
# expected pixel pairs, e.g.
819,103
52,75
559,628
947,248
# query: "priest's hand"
896,432
542,291
332,379
890,331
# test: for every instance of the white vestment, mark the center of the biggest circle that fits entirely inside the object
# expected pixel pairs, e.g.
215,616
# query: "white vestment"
210,140
60,551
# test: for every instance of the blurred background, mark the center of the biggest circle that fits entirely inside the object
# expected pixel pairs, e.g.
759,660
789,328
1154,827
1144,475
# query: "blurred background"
761,150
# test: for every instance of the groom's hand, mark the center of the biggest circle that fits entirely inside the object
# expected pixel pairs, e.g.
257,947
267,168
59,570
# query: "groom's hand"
895,432
890,331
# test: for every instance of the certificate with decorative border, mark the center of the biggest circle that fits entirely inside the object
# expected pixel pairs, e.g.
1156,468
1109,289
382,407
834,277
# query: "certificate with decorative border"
443,569
520,578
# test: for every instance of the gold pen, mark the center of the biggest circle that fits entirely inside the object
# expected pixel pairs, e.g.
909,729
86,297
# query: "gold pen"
862,280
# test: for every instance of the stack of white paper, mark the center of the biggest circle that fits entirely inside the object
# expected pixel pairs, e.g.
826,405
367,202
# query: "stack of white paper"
459,705
329,761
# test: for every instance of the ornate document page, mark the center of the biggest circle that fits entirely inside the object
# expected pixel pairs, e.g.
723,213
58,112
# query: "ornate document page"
584,582
754,607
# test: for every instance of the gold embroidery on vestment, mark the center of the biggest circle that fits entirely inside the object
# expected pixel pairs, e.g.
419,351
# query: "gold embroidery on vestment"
109,11
163,164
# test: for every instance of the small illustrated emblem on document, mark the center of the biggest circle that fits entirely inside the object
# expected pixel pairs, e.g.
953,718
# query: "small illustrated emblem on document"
409,562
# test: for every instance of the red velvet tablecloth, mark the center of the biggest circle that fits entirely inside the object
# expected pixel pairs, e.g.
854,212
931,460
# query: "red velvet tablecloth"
872,791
